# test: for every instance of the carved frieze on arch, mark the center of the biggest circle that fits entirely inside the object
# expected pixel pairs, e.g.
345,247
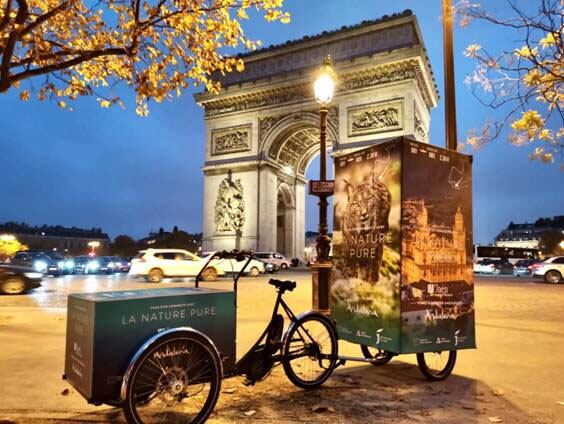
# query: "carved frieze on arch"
231,140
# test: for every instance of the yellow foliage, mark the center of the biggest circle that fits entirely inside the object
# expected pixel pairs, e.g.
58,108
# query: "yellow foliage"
526,52
170,46
531,123
533,77
548,40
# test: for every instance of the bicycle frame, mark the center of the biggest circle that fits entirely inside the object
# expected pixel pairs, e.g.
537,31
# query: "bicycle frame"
269,334
265,334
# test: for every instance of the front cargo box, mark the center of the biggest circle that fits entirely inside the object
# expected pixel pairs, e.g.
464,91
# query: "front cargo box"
104,330
402,248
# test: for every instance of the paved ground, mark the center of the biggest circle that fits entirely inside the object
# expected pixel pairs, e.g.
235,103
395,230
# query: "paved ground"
516,375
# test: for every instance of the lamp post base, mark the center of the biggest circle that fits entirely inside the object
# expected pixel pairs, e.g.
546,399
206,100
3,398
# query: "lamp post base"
321,278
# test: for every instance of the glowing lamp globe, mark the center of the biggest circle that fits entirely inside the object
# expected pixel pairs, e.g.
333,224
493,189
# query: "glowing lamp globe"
324,85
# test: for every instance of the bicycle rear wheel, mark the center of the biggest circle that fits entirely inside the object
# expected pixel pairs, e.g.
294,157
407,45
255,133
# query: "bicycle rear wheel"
310,351
177,380
380,357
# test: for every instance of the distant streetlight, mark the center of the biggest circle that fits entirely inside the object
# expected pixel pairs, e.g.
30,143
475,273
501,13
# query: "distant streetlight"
93,245
324,89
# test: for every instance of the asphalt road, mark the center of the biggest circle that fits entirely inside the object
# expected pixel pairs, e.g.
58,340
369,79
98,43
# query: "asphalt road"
516,374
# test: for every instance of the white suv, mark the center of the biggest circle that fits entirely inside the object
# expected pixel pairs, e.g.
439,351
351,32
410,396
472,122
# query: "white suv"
275,259
156,264
552,269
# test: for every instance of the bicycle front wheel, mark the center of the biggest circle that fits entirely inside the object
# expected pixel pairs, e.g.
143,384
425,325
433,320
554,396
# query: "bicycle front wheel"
436,366
310,351
177,380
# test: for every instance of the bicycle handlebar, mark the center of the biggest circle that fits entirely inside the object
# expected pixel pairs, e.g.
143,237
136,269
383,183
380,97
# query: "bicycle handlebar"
238,255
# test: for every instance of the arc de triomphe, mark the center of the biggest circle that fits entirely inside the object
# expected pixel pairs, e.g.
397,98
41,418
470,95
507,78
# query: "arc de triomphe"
262,130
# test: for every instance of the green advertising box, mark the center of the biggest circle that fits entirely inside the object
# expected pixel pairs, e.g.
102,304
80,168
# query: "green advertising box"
105,330
402,248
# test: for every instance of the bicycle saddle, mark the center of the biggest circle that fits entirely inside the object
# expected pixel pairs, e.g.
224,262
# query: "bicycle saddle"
283,285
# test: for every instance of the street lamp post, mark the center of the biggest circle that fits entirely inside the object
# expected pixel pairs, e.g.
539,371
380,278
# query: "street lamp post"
450,96
324,88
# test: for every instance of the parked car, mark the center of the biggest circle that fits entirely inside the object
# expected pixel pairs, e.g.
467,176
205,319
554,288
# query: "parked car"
231,266
37,260
484,266
156,264
80,264
18,279
100,265
274,258
551,269
120,264
494,266
60,260
524,267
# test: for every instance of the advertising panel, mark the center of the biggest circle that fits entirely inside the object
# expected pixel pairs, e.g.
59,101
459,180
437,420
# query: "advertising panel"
437,297
365,300
402,248
104,330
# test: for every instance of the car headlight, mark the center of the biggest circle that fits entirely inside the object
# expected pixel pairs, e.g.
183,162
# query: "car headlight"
33,274
61,264
93,265
69,264
40,265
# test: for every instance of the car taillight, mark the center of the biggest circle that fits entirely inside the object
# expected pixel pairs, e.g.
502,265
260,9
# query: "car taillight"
530,267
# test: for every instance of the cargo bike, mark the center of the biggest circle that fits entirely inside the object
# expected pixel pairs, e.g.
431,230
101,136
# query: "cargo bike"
168,375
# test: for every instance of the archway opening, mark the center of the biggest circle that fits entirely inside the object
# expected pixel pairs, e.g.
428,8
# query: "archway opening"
292,145
285,221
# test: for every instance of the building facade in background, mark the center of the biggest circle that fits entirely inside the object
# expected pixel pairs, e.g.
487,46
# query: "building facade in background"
72,241
528,235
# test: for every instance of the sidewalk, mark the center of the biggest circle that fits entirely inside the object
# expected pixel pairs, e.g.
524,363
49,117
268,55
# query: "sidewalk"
32,390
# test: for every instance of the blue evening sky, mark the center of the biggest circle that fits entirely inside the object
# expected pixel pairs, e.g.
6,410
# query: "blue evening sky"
126,174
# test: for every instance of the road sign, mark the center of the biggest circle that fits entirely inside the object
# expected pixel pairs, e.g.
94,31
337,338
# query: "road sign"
321,188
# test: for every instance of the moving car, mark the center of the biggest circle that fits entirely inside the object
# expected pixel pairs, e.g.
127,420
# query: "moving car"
551,269
524,267
37,260
156,264
18,279
274,258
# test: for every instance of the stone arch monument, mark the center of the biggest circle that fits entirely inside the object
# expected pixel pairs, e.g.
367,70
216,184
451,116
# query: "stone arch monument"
262,130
